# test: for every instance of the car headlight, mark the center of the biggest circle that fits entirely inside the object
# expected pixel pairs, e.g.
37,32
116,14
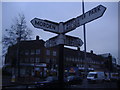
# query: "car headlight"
42,84
68,80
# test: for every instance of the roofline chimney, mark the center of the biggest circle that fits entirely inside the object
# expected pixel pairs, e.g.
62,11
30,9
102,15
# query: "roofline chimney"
37,37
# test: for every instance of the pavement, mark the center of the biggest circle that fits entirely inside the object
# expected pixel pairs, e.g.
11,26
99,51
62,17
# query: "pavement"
7,80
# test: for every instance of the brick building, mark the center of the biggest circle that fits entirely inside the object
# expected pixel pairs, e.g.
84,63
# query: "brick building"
31,58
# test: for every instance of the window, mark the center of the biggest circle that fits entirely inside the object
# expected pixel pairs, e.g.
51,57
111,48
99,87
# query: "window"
78,59
70,58
73,59
32,52
26,60
67,59
47,52
21,60
37,60
54,53
54,60
32,60
81,60
47,60
26,52
21,52
37,51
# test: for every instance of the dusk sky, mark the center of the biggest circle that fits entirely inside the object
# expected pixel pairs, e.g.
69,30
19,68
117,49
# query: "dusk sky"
102,33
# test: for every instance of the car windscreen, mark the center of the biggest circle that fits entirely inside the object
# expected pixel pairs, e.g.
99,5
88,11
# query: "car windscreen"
70,77
92,75
51,78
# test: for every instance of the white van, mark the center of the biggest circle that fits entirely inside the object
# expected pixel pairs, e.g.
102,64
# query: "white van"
95,76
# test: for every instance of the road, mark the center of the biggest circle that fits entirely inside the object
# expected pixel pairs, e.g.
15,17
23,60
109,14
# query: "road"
85,84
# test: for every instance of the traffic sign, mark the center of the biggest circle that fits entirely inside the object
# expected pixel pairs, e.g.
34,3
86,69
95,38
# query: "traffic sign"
45,25
71,24
51,42
59,39
64,27
73,41
84,18
64,39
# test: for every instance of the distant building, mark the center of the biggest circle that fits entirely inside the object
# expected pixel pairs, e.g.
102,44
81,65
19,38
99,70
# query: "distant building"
31,58
113,61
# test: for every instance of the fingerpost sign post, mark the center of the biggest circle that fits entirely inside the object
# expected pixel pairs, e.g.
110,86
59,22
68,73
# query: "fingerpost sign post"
63,27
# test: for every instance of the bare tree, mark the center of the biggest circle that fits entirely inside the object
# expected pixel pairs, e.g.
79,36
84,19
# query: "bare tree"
18,30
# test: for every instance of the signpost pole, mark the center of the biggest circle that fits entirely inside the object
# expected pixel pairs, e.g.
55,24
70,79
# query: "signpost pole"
61,66
61,58
84,30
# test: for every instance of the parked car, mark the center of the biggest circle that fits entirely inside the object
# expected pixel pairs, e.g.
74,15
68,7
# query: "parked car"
95,76
71,80
114,76
51,81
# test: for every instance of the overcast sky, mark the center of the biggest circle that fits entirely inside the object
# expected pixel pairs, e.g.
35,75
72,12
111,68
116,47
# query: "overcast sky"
102,33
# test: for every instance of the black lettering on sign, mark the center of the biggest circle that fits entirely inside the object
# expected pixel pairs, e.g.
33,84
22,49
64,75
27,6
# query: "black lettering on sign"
77,22
93,11
45,25
52,27
83,16
40,23
98,9
72,24
36,23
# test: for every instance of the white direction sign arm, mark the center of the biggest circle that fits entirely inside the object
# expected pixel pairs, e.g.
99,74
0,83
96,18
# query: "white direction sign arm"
45,25
55,41
51,42
84,18
91,15
73,41
64,39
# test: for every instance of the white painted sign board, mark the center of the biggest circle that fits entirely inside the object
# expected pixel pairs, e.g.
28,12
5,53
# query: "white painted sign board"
70,24
51,42
64,39
84,18
73,41
64,27
45,25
